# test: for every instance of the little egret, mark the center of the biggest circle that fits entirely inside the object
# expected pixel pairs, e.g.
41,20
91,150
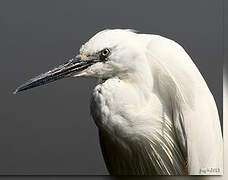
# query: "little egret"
153,109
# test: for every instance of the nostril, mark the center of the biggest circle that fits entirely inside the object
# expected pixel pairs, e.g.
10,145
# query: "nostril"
68,61
75,60
78,58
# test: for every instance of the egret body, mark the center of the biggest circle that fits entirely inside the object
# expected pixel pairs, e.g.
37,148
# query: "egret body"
153,109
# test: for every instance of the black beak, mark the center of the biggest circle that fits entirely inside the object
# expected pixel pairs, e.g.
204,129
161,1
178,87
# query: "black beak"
73,66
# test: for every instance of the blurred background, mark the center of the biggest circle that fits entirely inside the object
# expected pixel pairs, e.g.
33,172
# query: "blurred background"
48,130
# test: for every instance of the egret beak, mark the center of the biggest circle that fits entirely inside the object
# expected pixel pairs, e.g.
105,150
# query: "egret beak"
70,68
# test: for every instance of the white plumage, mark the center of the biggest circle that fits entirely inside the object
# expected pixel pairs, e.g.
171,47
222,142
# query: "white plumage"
154,111
160,110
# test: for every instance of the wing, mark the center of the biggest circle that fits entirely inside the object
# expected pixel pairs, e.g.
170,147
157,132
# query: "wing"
194,112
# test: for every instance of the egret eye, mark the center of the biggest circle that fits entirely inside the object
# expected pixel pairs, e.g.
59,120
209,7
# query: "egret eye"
104,54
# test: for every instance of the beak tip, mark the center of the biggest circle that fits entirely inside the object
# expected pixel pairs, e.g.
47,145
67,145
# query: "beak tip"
15,91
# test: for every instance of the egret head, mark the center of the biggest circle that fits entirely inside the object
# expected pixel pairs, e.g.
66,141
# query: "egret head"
109,53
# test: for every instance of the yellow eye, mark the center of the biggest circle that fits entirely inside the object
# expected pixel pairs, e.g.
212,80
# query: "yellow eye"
104,54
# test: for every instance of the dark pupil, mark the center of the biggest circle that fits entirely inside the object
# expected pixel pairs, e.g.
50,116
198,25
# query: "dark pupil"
105,52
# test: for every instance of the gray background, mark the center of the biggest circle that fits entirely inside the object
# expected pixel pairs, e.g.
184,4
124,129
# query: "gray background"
48,130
